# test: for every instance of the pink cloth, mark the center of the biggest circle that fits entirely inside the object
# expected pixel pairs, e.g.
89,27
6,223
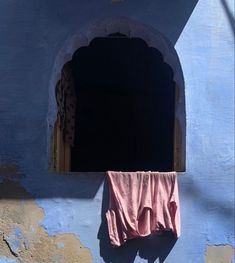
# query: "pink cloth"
142,203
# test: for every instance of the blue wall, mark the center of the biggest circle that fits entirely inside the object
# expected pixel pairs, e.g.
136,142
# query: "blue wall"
31,35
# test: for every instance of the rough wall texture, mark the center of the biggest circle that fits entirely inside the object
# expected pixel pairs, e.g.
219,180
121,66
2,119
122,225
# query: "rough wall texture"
21,236
66,210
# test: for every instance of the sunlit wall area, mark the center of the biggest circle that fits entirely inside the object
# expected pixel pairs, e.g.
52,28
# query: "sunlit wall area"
48,216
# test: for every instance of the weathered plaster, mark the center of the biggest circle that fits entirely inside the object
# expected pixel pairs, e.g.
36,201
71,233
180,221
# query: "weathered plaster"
219,254
23,239
32,35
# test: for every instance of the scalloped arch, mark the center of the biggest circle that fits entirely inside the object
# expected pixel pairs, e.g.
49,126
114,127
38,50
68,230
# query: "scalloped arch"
131,28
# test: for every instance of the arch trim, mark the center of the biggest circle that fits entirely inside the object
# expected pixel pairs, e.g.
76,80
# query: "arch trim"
135,29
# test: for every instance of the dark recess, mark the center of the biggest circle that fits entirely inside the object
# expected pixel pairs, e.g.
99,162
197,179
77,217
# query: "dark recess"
125,109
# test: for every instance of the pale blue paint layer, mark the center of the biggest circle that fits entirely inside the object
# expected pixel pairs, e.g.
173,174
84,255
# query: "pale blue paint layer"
8,260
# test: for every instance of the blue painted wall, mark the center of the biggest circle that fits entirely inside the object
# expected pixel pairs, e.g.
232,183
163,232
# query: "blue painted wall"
31,35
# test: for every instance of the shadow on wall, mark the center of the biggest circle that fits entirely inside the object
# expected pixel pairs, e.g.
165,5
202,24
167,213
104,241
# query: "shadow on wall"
151,248
229,15
86,185
169,17
206,199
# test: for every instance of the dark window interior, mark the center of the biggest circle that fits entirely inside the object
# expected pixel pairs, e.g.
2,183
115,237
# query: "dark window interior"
125,110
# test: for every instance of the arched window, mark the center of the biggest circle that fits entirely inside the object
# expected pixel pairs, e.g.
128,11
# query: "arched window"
117,102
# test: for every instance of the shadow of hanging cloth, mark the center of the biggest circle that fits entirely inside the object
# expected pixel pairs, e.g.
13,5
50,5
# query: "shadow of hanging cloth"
151,248
157,246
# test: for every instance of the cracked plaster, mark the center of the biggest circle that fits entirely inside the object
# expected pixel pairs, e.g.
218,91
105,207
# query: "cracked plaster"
22,238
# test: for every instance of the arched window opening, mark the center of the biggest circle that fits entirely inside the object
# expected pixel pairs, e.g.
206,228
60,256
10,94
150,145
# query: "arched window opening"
116,109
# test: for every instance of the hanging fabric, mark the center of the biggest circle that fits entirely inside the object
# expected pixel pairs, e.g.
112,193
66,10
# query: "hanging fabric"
142,203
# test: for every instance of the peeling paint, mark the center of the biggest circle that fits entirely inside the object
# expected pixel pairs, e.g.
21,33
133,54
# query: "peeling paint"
37,38
23,239
219,254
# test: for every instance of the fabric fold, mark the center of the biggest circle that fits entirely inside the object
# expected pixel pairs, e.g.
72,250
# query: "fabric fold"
141,203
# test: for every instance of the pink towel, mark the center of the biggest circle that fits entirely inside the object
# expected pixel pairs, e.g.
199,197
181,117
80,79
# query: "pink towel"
142,203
